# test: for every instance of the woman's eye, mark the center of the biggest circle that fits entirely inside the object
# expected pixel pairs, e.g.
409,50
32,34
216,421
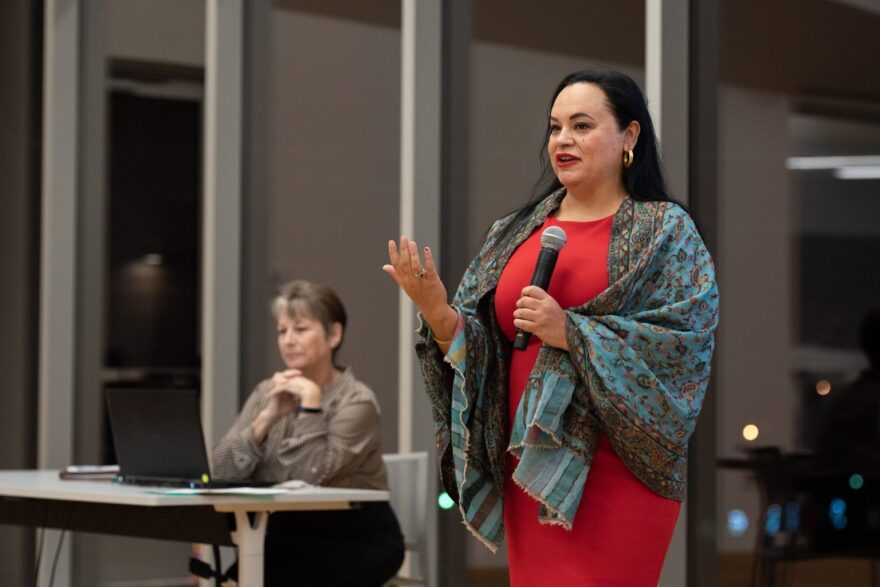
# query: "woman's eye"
581,126
554,128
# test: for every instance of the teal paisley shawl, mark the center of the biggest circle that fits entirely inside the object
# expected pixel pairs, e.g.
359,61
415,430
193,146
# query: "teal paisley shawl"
637,370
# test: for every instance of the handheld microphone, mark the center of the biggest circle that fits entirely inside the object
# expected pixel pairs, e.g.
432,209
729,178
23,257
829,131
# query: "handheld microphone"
552,240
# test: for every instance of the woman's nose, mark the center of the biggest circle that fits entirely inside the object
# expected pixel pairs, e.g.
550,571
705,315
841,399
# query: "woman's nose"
563,136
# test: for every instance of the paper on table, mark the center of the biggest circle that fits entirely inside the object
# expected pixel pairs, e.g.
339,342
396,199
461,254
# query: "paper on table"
89,472
255,491
284,487
293,484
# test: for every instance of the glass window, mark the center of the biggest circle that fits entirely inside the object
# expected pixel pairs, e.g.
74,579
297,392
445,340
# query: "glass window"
798,243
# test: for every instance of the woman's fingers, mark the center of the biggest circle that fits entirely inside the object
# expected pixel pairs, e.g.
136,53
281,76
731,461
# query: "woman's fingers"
419,280
533,291
529,303
393,255
404,254
429,262
415,260
405,260
411,259
394,261
539,313
389,269
525,313
532,308
278,390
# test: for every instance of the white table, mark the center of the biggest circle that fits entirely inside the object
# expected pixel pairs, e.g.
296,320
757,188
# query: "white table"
41,499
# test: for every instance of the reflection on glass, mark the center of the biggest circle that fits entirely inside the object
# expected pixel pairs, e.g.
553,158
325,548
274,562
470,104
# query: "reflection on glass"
737,522
856,481
774,519
837,513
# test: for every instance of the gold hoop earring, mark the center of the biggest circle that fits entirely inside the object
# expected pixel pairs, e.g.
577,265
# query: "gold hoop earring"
628,158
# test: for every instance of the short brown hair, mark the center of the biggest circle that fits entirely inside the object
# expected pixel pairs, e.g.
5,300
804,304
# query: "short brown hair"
304,298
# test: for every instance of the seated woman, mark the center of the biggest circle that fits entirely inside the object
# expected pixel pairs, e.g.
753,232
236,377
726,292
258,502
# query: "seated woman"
316,422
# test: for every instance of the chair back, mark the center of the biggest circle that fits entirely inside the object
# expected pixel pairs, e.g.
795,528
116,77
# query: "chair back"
408,485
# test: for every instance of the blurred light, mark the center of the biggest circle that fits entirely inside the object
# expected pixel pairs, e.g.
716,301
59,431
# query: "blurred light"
839,522
823,387
737,522
867,172
837,507
774,519
444,501
792,515
153,259
750,432
832,162
856,481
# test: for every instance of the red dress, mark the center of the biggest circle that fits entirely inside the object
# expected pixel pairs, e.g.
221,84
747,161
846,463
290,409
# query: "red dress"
622,529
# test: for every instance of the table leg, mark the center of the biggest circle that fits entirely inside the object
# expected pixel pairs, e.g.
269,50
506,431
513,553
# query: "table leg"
249,540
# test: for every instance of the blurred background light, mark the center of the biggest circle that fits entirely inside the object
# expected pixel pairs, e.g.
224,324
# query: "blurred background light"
773,524
737,522
750,432
444,501
152,259
856,481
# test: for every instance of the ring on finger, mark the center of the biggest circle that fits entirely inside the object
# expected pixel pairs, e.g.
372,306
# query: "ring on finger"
421,272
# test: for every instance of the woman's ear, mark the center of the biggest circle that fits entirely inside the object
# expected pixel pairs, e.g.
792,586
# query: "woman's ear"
631,135
335,335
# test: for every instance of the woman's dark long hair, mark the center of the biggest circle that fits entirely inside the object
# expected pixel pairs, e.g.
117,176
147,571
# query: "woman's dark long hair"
644,179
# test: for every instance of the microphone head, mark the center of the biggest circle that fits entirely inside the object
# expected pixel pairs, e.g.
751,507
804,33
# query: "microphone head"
553,238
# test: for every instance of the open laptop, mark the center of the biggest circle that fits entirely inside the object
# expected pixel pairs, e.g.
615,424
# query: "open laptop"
158,438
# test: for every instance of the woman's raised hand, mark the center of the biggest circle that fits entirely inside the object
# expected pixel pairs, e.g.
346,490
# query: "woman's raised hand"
422,284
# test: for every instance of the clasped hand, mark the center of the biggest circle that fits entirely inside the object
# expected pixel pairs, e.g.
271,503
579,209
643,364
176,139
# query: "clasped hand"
290,389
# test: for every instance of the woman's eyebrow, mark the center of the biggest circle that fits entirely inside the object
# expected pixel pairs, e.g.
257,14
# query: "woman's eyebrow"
573,116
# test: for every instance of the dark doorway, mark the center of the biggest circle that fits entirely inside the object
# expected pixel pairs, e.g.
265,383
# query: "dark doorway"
154,221
154,246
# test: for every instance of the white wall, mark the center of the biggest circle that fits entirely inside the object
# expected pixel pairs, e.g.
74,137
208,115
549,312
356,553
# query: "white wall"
334,181
163,31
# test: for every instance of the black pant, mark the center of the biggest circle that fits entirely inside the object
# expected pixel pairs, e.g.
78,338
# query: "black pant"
359,547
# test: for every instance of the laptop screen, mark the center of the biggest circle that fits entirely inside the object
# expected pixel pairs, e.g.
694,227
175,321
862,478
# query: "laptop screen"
157,434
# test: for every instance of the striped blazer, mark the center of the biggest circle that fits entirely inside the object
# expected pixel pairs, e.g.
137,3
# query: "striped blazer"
336,448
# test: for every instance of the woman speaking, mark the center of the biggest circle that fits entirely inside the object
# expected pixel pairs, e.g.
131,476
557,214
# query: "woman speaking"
575,448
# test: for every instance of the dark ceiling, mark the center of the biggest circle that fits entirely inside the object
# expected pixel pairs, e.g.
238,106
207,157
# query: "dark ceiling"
807,48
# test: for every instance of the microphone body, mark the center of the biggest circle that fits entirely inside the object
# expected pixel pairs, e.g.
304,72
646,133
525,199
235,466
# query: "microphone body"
552,240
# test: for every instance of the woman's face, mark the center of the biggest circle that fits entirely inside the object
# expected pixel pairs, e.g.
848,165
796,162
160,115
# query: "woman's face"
303,342
585,145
